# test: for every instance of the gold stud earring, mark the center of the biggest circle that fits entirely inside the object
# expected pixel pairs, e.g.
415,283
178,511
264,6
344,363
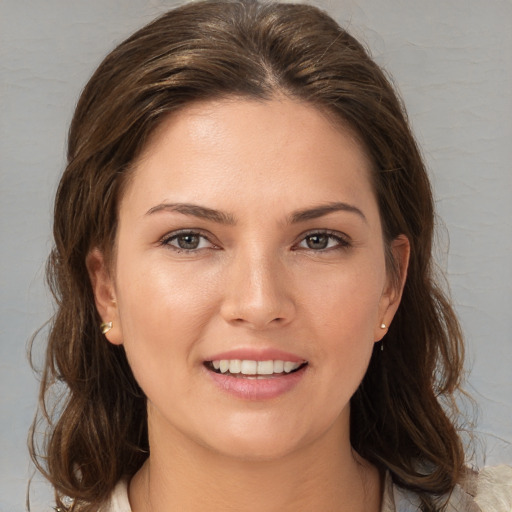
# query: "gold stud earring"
105,327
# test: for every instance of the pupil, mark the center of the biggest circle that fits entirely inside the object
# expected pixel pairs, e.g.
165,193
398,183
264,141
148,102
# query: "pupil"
317,241
188,241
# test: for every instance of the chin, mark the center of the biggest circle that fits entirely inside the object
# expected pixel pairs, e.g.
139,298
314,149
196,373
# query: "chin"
260,450
262,441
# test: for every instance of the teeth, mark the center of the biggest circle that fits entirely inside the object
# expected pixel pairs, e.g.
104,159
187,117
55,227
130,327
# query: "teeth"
288,366
235,366
278,366
249,367
265,367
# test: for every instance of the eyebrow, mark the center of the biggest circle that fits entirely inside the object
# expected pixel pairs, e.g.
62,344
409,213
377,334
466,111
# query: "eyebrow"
194,210
325,209
219,217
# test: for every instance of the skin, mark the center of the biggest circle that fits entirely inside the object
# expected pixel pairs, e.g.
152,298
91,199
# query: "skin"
317,288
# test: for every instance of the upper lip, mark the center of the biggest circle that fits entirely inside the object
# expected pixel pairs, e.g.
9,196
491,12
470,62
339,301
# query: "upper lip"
257,354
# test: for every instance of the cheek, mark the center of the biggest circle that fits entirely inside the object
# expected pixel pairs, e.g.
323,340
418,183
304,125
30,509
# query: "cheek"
346,300
344,311
154,294
162,315
339,316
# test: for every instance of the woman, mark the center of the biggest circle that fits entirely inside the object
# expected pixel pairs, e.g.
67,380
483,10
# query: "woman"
247,314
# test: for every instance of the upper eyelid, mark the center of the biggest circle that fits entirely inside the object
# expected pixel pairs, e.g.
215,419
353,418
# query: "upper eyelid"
330,232
186,231
343,241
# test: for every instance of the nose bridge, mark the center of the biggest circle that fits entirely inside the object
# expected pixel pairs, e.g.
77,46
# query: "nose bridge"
257,293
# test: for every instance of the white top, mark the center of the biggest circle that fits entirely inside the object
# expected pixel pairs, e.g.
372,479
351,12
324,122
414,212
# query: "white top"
493,493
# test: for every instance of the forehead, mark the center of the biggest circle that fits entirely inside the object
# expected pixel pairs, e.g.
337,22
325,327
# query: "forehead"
210,150
205,119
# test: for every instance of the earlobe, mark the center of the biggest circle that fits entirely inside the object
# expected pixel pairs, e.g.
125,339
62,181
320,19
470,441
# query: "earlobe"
104,295
390,300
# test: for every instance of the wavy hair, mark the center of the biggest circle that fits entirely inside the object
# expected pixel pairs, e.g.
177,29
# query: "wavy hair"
402,415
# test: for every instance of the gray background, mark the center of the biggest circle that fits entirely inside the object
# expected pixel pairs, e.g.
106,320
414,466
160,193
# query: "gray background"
452,61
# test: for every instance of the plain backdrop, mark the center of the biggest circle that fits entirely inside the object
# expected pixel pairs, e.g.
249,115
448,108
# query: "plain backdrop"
452,62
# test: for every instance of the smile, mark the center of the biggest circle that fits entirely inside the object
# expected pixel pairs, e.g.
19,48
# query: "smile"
247,368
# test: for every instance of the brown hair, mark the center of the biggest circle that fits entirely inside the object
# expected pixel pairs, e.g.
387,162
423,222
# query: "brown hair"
202,51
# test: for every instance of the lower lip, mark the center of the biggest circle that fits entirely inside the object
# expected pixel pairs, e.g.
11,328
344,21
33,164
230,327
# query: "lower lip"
257,389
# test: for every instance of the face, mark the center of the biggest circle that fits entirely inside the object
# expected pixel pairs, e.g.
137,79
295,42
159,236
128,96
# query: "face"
249,284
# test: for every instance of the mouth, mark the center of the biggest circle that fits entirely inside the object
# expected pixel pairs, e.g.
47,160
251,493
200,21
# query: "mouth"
252,369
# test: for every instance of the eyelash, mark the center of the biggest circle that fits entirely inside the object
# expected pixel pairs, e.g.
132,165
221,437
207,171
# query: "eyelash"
342,241
166,241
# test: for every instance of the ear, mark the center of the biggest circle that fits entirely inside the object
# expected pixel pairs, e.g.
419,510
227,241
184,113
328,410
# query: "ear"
104,294
392,294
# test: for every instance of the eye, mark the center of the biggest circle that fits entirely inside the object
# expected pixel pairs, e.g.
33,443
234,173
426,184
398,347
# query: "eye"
187,241
321,241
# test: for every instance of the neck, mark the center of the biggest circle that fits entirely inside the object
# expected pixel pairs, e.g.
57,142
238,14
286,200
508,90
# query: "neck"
324,475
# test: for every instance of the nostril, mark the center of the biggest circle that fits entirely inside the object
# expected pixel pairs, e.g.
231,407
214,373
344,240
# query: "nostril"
257,311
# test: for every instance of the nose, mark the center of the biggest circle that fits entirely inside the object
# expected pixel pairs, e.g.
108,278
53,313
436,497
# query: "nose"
258,292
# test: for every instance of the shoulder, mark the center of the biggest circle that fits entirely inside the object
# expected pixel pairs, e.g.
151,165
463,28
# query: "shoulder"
490,490
118,501
494,489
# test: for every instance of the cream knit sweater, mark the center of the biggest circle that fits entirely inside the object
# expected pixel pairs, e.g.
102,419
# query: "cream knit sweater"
491,491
